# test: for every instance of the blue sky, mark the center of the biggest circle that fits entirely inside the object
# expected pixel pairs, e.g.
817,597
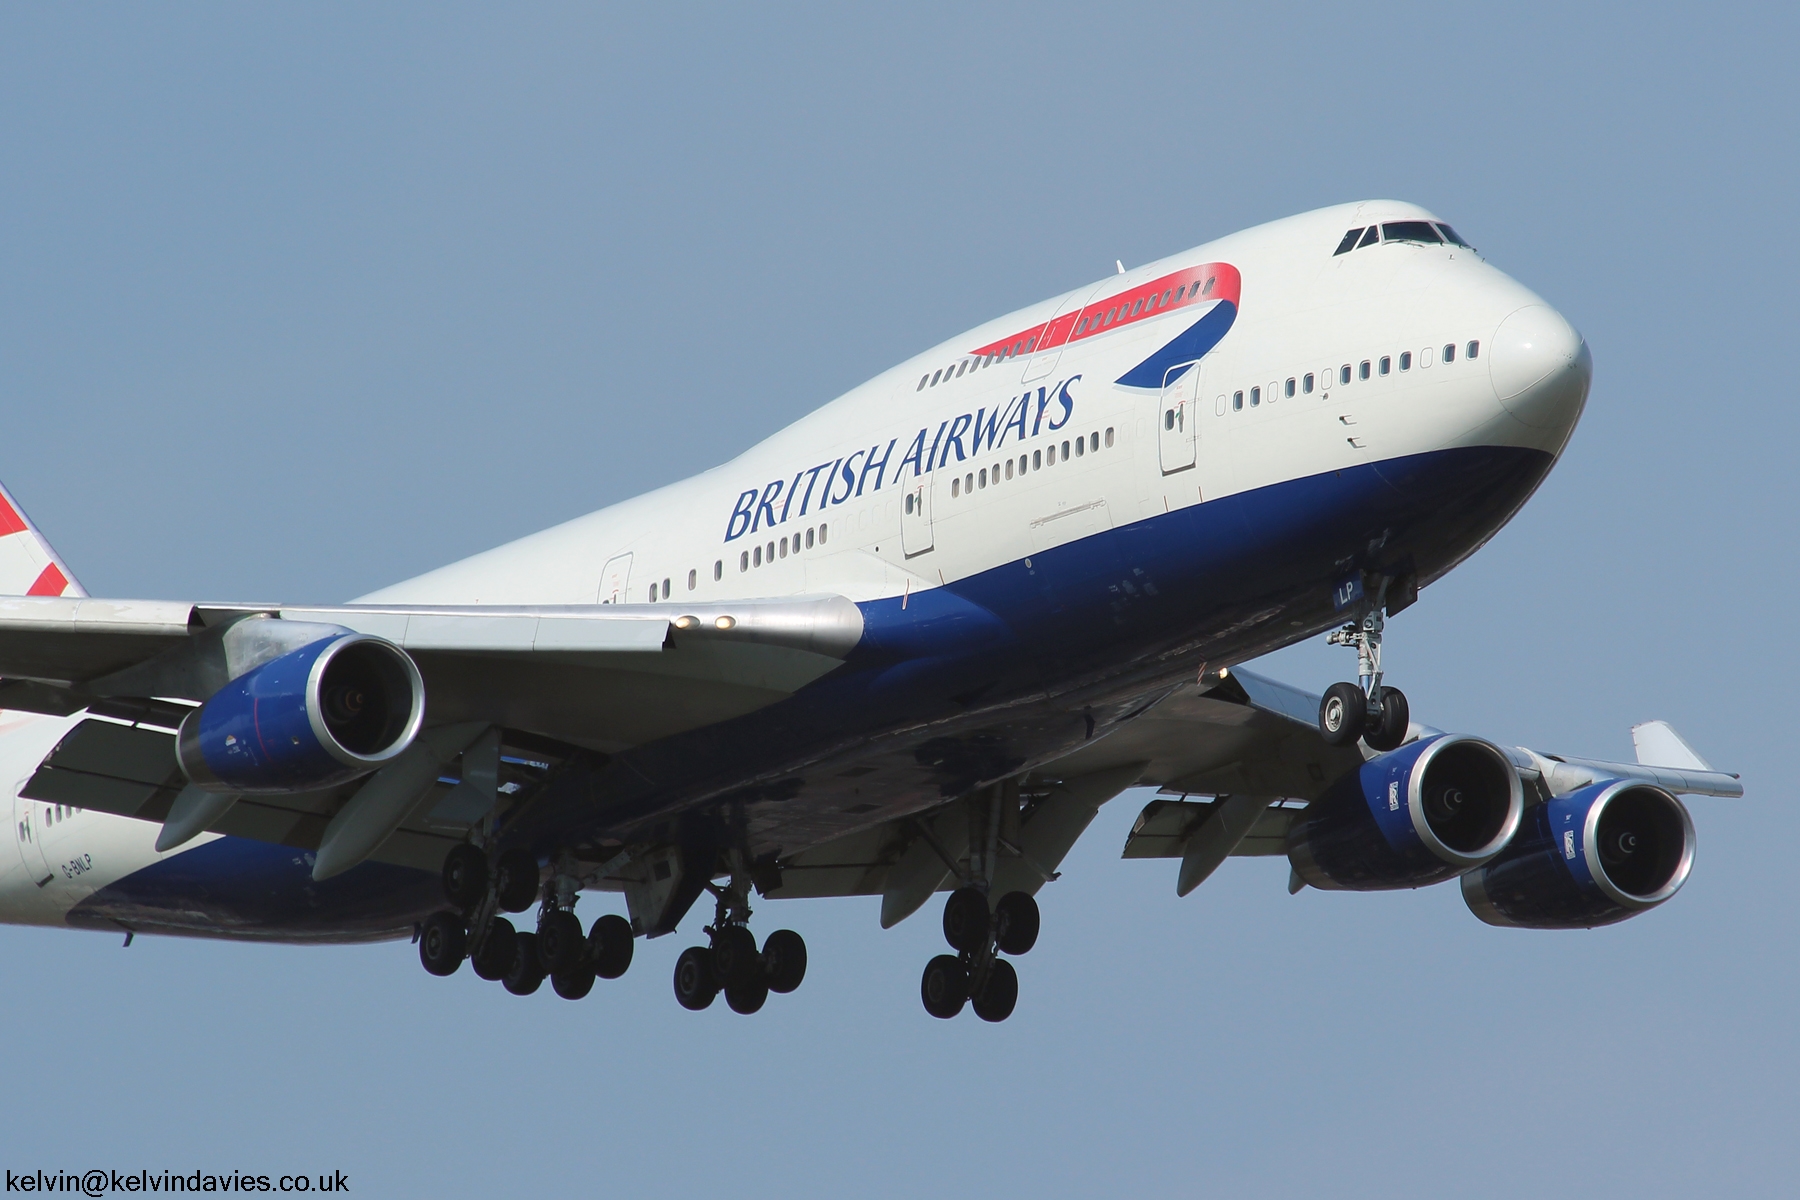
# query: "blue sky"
298,302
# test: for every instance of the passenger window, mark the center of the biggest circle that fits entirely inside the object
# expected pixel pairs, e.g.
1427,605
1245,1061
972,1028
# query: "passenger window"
1237,401
771,554
955,488
923,380
821,535
962,368
1362,370
1080,446
693,580
1093,441
718,569
1065,451
1168,418
744,561
935,377
665,589
1348,244
1474,349
1255,397
981,479
1450,352
1387,364
809,538
1307,383
653,593
1371,237
1180,292
1037,460
1109,437
784,547
1406,360
1344,373
1425,358
1009,468
1290,389
909,504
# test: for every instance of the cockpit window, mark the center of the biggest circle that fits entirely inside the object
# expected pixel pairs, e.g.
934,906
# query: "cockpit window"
1371,237
1349,242
1410,231
1450,236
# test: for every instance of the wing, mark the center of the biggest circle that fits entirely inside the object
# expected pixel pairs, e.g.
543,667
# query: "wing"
604,677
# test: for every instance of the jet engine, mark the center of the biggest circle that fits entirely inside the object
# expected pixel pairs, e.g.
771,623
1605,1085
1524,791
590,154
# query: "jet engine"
1592,857
334,709
1414,816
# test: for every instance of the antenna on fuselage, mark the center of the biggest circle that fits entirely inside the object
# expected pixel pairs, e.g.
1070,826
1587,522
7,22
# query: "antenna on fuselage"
1119,263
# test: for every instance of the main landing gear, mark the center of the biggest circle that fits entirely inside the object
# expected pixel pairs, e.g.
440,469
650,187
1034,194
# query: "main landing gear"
558,950
976,974
732,964
1367,709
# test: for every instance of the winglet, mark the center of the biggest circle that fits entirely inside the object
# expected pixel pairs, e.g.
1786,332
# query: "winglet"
1658,745
28,566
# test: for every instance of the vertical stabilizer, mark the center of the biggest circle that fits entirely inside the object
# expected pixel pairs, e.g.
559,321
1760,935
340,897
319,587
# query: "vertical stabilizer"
28,566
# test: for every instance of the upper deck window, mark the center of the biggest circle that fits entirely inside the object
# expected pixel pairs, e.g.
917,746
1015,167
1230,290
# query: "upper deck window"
1411,231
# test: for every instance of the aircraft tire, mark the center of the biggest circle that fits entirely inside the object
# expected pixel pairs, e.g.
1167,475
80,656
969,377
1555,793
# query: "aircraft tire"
1390,731
610,945
498,950
1016,923
747,998
945,987
516,879
999,994
574,983
560,943
735,959
1343,711
784,960
465,876
442,943
526,974
695,986
966,919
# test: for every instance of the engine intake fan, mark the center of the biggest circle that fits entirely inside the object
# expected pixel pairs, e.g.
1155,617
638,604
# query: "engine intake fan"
1418,815
334,709
1593,857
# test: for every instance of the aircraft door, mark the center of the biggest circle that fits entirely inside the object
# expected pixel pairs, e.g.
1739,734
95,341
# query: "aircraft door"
1177,414
29,835
915,516
1056,335
615,580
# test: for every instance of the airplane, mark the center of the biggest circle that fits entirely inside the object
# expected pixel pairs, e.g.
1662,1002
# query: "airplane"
907,645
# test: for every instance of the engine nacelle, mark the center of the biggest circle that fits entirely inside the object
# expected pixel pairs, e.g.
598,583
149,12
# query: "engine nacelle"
315,717
1592,857
1415,816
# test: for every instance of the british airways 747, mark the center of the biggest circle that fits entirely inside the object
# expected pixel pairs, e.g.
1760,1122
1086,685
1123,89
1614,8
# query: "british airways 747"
909,644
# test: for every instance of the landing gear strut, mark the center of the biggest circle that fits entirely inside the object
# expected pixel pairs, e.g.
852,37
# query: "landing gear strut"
980,929
1368,708
731,962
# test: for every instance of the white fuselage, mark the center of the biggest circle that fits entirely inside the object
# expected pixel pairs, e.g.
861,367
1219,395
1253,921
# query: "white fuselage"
1339,361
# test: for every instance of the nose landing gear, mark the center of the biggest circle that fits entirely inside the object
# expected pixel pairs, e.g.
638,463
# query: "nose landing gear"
1368,709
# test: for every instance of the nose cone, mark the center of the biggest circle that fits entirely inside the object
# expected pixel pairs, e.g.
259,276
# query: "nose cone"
1540,367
